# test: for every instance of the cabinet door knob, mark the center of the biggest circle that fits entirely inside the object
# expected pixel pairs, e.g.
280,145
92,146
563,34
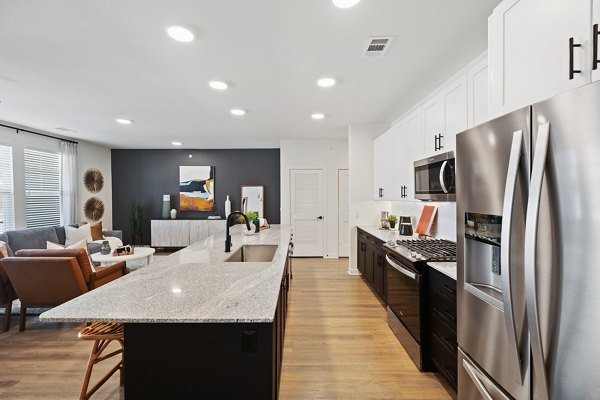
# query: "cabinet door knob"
572,70
595,52
320,217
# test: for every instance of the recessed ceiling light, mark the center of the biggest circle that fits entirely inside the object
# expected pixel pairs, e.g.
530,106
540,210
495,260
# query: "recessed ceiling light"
345,3
237,111
218,85
180,34
176,143
124,121
176,290
326,82
318,116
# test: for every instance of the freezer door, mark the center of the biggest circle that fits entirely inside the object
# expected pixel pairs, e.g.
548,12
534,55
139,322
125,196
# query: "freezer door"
563,235
492,163
473,382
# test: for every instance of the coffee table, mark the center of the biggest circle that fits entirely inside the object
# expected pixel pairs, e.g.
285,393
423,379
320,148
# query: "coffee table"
141,256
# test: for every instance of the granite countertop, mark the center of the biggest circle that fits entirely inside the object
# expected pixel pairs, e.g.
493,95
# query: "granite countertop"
446,268
382,234
193,285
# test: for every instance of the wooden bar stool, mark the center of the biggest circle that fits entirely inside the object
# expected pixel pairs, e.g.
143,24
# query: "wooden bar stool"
102,333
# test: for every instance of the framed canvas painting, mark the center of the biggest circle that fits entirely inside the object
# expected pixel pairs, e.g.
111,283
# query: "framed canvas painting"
196,188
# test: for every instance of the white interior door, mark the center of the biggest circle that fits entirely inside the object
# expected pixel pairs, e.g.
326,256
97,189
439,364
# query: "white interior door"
308,212
343,214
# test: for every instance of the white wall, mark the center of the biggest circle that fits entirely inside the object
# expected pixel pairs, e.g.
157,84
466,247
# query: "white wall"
363,209
444,226
329,155
90,155
99,157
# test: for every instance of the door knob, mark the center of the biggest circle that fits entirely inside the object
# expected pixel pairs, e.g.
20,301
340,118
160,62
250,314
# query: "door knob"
320,217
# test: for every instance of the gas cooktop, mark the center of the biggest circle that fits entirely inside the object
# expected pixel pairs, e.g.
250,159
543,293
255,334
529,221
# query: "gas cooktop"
430,249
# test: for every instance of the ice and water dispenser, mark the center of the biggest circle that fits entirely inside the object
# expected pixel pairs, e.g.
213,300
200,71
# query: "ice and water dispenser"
483,272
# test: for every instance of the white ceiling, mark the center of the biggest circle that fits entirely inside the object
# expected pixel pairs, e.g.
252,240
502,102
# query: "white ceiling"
80,64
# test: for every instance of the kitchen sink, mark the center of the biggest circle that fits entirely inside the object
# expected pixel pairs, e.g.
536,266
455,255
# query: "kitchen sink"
253,253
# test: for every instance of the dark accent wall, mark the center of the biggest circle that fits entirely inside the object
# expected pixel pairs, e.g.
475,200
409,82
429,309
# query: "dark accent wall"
145,176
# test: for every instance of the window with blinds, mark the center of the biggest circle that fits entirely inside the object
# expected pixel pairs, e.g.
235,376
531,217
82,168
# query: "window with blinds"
7,209
42,188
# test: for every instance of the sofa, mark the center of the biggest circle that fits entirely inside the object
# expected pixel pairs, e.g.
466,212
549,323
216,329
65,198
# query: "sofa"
36,238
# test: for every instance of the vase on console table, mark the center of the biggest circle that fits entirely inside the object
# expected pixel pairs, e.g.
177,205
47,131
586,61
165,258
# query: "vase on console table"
173,213
166,206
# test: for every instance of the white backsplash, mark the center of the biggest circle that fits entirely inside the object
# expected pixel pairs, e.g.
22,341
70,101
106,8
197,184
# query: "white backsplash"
444,226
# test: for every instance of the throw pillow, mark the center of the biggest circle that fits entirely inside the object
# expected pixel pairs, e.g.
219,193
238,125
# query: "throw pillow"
96,229
3,249
82,244
75,235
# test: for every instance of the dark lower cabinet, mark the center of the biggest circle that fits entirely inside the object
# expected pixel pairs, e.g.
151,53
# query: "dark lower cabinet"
206,360
379,272
371,261
443,345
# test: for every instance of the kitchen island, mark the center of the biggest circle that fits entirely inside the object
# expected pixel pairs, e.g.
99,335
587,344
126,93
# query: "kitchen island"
196,325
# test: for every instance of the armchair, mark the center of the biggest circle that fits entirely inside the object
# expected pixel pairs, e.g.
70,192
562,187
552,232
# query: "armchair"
7,295
47,278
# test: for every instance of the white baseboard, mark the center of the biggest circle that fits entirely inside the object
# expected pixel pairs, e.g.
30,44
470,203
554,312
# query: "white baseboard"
352,271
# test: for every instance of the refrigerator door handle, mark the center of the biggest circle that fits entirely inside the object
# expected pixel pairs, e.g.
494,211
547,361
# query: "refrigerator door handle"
442,171
507,212
531,227
477,378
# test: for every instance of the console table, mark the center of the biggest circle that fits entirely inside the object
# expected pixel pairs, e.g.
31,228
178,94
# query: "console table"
183,232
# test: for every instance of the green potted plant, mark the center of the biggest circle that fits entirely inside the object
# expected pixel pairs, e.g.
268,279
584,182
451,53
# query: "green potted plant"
136,219
393,220
253,217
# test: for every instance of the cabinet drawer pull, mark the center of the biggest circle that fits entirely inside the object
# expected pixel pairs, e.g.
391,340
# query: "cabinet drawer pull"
595,52
449,289
572,46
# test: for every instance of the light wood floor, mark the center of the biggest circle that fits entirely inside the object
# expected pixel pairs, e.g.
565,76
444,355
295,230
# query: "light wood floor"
338,346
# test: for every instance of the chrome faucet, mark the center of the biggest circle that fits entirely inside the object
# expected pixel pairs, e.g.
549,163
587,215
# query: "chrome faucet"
227,235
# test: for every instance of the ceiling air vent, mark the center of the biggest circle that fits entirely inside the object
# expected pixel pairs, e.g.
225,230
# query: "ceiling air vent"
377,46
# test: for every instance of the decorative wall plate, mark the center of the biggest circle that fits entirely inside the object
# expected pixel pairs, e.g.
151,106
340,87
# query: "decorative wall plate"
93,209
93,180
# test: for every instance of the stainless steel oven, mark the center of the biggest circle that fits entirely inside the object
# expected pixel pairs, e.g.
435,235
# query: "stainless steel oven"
435,178
404,285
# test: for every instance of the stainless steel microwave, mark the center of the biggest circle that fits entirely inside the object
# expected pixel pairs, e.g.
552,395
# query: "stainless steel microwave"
435,178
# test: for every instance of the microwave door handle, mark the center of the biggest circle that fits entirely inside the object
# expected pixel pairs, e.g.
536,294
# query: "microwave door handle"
531,227
401,269
442,171
507,213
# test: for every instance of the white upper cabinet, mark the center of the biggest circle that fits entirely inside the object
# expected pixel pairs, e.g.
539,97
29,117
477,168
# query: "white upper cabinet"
384,171
433,125
445,115
477,82
456,115
378,167
596,40
410,148
537,49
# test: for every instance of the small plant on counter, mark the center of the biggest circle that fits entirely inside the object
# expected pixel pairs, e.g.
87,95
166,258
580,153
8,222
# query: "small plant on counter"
392,219
252,215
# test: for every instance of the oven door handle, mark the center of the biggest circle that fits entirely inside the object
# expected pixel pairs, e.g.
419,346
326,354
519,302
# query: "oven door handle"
401,269
442,171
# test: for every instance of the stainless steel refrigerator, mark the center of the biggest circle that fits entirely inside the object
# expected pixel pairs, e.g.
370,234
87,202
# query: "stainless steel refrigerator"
528,223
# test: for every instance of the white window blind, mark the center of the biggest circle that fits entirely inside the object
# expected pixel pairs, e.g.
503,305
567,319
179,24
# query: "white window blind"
42,188
7,209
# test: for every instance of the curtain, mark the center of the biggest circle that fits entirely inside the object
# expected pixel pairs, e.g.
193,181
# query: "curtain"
68,183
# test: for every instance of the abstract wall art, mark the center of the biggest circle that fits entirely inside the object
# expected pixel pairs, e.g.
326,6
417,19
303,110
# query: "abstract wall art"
196,188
